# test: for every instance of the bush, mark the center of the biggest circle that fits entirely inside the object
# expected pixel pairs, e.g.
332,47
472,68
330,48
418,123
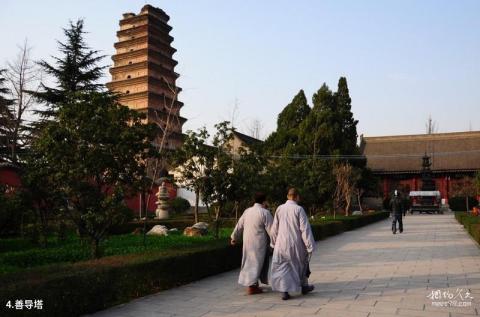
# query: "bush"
459,203
180,205
106,282
323,230
14,208
353,222
103,283
72,250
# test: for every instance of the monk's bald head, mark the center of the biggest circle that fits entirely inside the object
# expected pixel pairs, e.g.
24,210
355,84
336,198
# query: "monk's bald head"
293,194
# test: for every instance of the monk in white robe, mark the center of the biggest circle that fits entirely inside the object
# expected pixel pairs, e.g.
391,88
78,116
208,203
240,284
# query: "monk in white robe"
254,224
293,243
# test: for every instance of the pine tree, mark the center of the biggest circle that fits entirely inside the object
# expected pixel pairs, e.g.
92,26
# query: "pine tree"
6,117
317,132
76,70
294,113
348,125
285,139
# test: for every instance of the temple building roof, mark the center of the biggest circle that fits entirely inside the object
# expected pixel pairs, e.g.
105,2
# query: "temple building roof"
458,151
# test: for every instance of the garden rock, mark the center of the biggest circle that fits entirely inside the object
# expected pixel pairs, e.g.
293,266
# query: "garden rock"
201,225
357,213
194,232
137,231
158,230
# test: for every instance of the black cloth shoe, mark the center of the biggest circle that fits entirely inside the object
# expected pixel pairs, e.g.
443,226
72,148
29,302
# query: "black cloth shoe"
394,232
285,296
307,289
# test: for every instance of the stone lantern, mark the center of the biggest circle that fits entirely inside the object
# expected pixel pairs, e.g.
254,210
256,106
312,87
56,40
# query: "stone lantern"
162,202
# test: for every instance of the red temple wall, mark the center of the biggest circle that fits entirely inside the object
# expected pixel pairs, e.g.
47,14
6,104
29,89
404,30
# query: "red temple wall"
443,183
10,177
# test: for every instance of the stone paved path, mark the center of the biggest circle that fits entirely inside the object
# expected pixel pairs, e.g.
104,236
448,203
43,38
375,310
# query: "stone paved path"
367,272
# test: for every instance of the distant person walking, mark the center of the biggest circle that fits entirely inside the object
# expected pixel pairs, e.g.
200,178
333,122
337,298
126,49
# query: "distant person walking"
397,213
293,244
254,225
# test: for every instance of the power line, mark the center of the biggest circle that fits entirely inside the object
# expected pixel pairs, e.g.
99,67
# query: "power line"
376,156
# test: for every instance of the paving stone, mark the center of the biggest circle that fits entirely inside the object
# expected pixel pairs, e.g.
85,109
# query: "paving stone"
364,272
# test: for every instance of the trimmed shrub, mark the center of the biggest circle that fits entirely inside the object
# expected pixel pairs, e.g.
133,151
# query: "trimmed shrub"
90,286
459,203
96,285
180,205
353,222
323,230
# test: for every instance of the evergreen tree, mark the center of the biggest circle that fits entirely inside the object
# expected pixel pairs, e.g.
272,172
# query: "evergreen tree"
348,125
76,70
6,117
317,132
91,158
294,113
285,139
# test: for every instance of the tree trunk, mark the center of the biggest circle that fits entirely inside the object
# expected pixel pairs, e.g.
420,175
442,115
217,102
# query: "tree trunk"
22,231
144,211
359,198
197,198
236,211
466,203
96,252
43,228
208,212
217,221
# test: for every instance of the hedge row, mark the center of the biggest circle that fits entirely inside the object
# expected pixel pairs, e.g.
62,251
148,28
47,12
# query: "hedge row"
90,286
471,223
460,204
354,222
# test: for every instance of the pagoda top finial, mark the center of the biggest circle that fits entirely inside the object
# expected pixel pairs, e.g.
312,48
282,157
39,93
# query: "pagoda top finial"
155,11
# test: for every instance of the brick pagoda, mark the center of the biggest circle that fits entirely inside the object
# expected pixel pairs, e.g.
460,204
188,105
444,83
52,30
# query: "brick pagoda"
143,72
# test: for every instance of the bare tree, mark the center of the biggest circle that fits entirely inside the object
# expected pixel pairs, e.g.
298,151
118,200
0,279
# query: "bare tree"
22,75
167,119
255,129
345,189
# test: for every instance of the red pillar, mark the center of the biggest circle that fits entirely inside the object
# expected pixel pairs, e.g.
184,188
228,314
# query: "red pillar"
448,189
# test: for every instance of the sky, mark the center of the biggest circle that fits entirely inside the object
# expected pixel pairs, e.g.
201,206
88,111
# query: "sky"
404,60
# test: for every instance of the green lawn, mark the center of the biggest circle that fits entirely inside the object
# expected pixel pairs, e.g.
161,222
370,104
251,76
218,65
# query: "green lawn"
19,254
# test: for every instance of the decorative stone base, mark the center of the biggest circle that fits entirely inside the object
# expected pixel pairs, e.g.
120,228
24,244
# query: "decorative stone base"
161,214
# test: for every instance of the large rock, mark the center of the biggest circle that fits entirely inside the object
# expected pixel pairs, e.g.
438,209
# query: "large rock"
158,230
137,231
357,213
201,225
194,232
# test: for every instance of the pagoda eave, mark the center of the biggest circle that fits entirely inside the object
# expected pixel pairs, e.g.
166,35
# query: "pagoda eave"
146,29
143,64
143,52
148,19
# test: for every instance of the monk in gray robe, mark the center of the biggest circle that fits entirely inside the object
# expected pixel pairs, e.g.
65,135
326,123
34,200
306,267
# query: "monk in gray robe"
254,224
293,243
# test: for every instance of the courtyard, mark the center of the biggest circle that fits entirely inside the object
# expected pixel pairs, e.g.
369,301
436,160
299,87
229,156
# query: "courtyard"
366,272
